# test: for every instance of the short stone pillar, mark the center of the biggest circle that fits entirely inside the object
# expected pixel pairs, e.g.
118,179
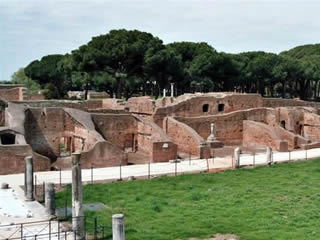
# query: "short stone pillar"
77,205
269,155
236,157
118,227
50,202
172,90
164,92
212,136
29,188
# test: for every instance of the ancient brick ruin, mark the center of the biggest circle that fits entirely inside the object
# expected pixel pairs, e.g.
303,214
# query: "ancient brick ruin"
113,132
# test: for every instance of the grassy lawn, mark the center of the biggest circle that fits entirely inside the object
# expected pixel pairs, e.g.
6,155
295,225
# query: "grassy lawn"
277,202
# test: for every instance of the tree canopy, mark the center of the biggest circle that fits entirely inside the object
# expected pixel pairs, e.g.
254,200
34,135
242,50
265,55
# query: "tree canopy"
131,62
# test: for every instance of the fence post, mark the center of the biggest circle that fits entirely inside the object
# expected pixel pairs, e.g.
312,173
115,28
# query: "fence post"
60,177
149,170
50,229
58,229
175,167
237,157
289,155
254,159
189,158
269,156
35,185
21,230
306,154
120,179
43,189
91,174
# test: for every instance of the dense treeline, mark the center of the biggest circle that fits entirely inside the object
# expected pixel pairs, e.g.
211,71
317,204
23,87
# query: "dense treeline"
127,63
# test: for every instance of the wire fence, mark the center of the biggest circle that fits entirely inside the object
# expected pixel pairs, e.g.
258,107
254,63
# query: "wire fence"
172,168
58,229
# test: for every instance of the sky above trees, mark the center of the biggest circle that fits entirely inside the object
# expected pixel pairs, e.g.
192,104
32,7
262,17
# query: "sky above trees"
31,29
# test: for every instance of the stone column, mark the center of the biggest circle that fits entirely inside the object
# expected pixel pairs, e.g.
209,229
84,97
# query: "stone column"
50,202
77,208
269,155
118,227
172,90
212,136
236,157
164,92
29,178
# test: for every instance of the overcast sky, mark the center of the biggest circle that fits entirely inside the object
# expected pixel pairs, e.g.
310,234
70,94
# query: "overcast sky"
31,29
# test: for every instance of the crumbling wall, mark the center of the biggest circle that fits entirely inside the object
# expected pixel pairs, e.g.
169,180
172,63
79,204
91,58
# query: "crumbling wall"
103,154
187,139
12,159
162,148
120,129
12,94
311,126
206,105
278,102
229,127
81,105
113,103
256,134
46,126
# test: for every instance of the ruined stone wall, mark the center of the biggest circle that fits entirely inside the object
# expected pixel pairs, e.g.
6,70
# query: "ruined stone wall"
229,127
164,151
46,126
207,105
262,135
187,139
103,154
291,118
120,129
141,105
12,159
113,103
12,94
153,140
278,102
81,105
311,126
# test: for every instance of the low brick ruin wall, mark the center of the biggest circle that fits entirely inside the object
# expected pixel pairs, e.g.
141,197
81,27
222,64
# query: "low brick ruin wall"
12,159
187,139
257,134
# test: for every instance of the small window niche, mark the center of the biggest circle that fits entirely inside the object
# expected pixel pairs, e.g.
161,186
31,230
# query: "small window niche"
283,124
220,107
8,139
205,108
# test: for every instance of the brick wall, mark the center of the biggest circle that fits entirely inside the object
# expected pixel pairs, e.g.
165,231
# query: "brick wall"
46,126
194,106
13,94
187,140
12,159
257,134
229,127
120,129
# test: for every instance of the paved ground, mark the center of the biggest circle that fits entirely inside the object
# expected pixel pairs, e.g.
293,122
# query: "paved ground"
140,170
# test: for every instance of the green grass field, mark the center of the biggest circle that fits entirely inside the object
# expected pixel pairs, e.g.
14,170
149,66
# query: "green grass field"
277,202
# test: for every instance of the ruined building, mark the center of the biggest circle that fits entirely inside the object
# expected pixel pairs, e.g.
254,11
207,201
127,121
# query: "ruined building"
110,132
